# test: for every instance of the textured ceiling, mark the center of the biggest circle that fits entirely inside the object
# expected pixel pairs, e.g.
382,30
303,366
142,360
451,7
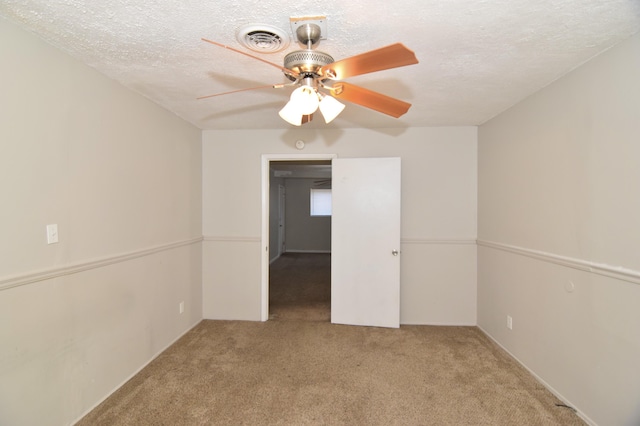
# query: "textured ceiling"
477,58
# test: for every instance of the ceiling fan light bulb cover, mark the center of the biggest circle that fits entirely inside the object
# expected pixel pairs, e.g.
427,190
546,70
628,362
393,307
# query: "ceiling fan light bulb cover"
305,99
291,114
330,108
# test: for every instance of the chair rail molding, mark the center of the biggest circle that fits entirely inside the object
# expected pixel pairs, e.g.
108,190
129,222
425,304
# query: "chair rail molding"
231,239
616,272
436,241
74,268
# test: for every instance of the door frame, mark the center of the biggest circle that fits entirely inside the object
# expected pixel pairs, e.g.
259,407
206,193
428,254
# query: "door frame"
281,220
266,160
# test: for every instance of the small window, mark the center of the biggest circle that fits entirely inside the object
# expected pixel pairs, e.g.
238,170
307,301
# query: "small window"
320,202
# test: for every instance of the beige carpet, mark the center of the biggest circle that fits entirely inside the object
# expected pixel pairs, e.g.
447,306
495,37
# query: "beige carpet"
299,369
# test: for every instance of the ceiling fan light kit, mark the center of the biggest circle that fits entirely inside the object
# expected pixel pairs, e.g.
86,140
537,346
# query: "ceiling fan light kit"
312,71
290,114
305,101
330,108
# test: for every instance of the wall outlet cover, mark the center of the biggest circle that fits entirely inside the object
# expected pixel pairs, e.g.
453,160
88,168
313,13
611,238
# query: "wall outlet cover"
52,233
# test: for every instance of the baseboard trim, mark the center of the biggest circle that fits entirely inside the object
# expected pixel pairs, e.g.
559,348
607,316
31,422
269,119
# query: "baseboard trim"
551,389
132,375
439,324
616,272
47,274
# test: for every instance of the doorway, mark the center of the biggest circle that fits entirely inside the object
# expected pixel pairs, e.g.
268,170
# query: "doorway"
297,247
365,269
300,256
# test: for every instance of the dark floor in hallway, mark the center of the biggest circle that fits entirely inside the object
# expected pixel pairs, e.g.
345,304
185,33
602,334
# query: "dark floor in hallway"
300,287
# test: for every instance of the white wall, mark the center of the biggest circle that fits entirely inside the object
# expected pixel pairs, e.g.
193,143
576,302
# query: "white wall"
305,233
438,269
559,236
122,179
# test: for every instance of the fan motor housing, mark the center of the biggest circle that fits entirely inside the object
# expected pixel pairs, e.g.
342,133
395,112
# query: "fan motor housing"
306,62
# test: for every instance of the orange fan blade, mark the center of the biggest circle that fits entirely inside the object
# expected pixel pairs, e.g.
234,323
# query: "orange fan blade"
396,55
271,86
280,67
370,99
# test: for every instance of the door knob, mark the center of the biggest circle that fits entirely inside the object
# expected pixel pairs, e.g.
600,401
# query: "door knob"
394,252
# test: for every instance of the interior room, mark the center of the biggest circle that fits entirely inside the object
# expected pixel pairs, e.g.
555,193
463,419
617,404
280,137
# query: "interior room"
134,211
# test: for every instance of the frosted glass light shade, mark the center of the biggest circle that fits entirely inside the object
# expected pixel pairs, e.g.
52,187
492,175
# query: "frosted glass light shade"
306,100
291,114
330,108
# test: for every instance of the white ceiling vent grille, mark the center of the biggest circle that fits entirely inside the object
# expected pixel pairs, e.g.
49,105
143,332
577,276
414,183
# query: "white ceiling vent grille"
262,38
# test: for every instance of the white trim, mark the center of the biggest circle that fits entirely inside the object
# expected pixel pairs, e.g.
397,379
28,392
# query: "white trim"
266,160
74,268
580,414
308,251
616,272
441,324
467,241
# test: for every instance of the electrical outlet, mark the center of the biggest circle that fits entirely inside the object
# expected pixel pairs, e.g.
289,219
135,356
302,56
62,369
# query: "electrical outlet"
52,233
509,322
181,307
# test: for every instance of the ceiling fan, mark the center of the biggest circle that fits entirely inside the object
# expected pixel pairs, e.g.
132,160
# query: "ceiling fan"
322,183
318,78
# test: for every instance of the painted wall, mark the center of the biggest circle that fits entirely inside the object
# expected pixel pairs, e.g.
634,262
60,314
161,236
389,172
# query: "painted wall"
305,233
559,236
121,178
439,169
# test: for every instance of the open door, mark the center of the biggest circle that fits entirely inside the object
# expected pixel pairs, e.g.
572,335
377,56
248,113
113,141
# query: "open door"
365,242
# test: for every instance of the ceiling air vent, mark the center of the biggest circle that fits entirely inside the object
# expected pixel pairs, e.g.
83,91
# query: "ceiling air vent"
262,38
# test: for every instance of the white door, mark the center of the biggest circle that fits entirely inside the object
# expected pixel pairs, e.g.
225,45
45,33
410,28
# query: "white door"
365,242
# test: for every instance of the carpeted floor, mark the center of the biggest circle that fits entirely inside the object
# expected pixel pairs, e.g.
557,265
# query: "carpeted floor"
299,369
